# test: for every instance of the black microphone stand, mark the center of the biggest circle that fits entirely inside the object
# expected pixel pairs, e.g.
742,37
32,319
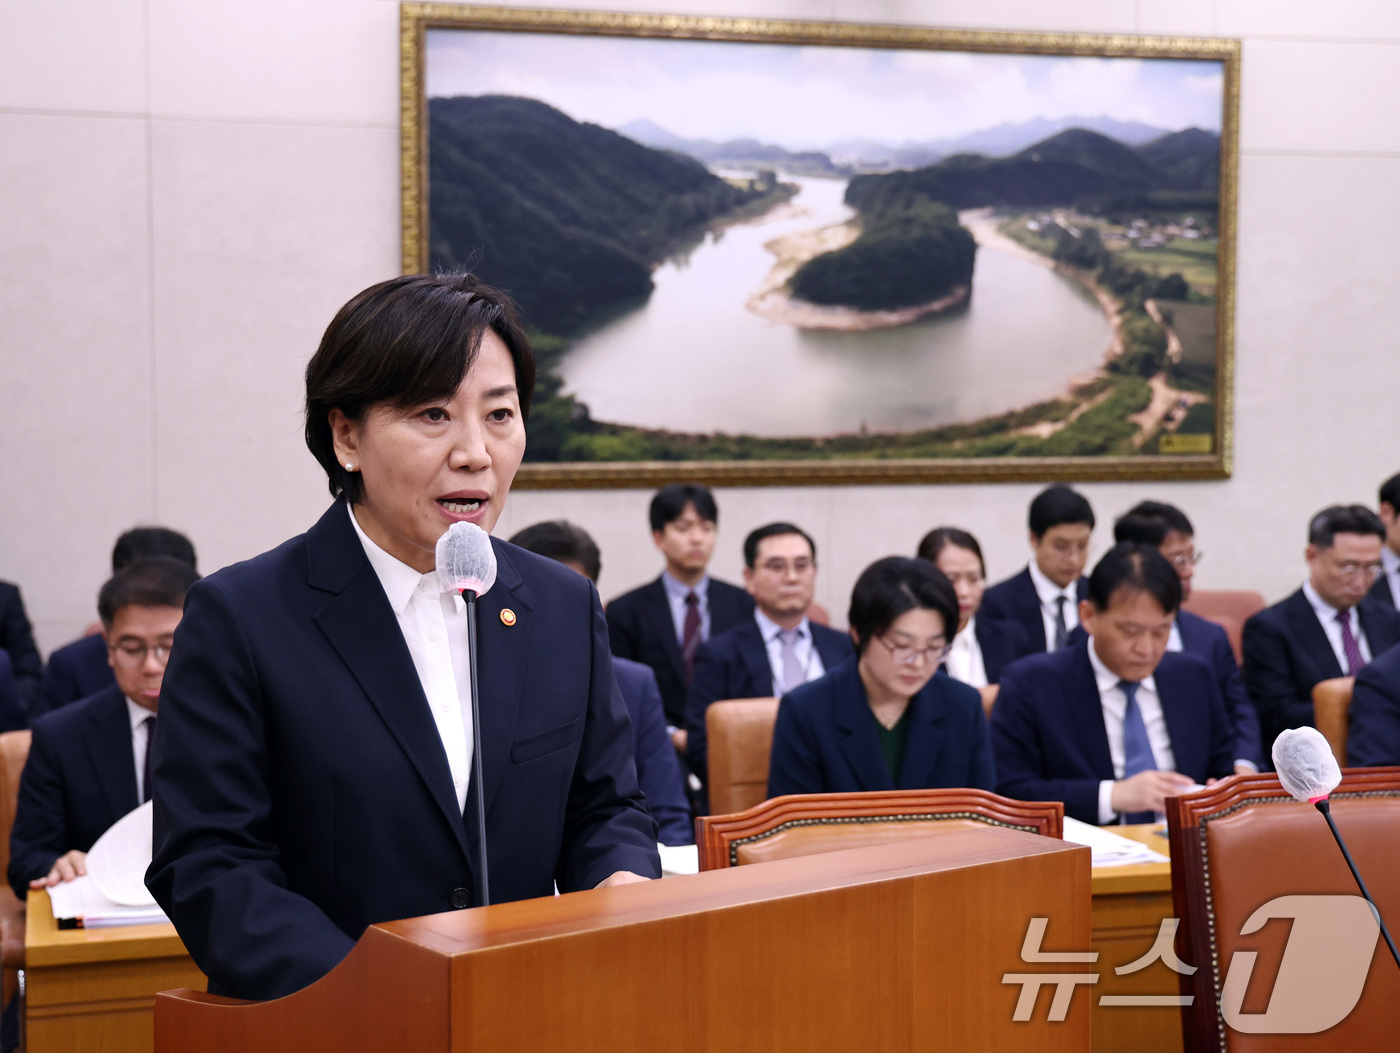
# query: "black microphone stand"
1325,809
470,599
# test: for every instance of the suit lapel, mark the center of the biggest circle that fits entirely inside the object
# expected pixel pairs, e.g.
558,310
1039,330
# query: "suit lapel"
502,653
859,745
660,616
830,649
1378,628
108,741
1312,636
1029,608
923,749
754,654
1185,728
1086,711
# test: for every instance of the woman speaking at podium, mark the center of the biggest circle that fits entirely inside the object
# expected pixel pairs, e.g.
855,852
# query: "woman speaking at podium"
314,738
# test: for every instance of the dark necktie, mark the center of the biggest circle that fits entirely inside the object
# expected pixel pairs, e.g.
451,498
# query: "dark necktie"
1061,630
150,725
1137,750
690,633
1350,647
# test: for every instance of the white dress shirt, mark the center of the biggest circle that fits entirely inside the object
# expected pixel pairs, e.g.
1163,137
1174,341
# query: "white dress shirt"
676,593
1115,707
964,661
140,742
1048,591
807,655
1327,616
434,626
1390,567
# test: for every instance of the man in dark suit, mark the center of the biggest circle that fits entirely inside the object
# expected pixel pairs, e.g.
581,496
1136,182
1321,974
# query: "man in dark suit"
1113,724
88,763
663,624
17,640
1328,628
776,650
658,766
1374,738
1387,586
1166,528
80,669
1044,598
10,706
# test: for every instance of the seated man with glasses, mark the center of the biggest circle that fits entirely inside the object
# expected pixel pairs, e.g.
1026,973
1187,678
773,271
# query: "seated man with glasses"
1328,628
1166,528
90,761
775,650
1113,724
888,718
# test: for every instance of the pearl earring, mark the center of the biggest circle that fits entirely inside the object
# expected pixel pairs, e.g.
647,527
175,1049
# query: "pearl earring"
349,467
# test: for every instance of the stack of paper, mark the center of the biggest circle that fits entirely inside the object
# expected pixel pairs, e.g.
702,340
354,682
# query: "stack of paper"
113,892
1110,849
679,859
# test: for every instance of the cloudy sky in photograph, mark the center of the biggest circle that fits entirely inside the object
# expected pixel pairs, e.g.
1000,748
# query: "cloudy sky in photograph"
806,97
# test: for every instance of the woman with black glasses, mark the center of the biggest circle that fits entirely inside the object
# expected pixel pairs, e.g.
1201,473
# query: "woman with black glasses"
888,718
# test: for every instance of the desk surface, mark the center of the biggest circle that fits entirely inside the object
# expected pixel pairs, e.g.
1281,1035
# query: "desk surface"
1137,877
46,944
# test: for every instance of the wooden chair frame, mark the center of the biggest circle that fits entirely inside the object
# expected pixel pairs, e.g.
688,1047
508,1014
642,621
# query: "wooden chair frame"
1331,713
720,836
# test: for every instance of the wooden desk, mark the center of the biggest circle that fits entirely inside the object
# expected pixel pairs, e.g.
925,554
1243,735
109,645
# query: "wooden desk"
1129,905
93,990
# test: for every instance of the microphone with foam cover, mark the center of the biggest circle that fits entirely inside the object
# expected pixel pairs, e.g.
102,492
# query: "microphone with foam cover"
466,564
1305,765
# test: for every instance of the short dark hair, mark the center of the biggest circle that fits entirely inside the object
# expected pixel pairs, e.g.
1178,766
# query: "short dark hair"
756,537
403,343
1137,567
1390,491
1151,517
669,504
889,587
1324,527
939,538
560,540
156,581
1056,505
145,542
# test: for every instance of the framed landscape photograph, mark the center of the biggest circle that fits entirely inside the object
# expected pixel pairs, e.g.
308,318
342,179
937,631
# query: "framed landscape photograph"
780,253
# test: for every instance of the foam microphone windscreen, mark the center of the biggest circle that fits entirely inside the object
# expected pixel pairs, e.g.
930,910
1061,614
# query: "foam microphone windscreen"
466,560
1305,764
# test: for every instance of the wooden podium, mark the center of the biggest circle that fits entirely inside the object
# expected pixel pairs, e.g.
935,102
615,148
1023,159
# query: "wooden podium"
901,947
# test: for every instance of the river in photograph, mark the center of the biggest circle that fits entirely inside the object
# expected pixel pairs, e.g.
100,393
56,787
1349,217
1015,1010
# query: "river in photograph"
694,358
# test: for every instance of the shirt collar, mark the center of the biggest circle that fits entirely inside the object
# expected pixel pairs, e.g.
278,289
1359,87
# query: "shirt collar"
677,590
768,628
1325,611
397,578
1047,590
1107,679
136,713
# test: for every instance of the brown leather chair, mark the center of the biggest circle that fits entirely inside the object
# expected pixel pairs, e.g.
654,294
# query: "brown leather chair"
1243,843
14,751
803,824
1331,712
1229,610
740,735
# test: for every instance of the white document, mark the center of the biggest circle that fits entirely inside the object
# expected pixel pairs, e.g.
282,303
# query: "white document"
679,859
1110,849
113,892
82,901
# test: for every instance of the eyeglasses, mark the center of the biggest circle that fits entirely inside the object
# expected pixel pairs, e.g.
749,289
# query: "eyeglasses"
779,567
1187,559
134,652
1369,571
902,654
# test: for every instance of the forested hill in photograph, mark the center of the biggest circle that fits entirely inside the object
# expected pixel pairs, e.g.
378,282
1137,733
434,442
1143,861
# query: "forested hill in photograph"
570,218
1073,167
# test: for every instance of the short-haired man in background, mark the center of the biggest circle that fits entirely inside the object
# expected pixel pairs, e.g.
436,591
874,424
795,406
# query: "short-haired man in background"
1387,586
80,669
1044,598
1113,724
663,623
658,767
1328,628
1166,528
779,648
90,762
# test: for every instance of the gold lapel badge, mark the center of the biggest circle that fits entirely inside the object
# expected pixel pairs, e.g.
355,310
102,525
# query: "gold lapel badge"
507,616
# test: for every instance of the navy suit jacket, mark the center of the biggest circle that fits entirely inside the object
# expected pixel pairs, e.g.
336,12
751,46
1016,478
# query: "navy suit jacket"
735,664
1380,592
825,740
17,638
9,690
302,792
640,627
75,671
658,768
1015,600
1002,642
80,778
1049,736
1374,738
1286,653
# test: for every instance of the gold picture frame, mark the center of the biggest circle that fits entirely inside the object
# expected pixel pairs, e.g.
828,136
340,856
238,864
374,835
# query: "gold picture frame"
417,19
